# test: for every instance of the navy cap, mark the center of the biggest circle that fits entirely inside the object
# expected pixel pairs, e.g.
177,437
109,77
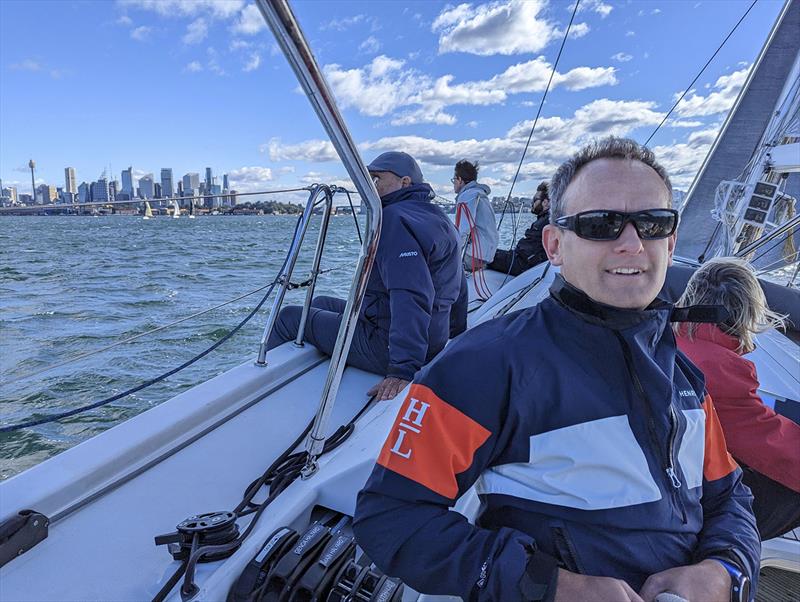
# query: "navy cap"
400,164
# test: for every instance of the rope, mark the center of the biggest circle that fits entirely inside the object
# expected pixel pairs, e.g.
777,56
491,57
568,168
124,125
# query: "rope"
689,87
539,111
160,377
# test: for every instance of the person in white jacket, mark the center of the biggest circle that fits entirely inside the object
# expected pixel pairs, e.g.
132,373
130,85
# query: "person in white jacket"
474,217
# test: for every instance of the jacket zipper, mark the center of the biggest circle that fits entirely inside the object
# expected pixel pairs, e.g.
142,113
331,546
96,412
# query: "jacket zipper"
666,459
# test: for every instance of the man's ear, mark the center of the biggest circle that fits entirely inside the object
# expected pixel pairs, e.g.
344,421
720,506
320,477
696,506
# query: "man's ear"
551,241
405,182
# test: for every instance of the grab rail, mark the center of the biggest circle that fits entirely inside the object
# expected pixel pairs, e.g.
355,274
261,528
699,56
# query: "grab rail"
284,279
292,42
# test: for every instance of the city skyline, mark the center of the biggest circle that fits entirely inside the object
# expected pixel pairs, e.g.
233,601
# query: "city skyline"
441,82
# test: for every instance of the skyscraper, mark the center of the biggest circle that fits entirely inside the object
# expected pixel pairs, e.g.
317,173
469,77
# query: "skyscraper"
69,180
167,189
83,192
99,190
225,182
127,183
146,188
46,194
209,180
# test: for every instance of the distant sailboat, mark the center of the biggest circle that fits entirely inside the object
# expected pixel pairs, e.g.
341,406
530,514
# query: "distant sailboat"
191,209
176,213
148,212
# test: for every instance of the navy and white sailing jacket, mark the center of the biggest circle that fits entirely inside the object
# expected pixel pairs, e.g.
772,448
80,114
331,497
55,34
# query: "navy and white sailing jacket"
416,280
584,430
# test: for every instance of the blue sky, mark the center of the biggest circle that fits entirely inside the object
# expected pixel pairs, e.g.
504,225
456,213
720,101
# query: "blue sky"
194,83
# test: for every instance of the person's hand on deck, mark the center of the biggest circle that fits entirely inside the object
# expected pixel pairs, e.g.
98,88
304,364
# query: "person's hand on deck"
707,580
388,388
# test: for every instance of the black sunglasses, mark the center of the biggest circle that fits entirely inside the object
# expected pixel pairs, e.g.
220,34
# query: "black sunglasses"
604,224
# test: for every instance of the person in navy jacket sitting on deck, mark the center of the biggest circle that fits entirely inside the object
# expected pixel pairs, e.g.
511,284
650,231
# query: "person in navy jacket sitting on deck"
414,284
589,437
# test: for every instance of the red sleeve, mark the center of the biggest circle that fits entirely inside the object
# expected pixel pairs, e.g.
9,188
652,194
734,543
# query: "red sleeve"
763,440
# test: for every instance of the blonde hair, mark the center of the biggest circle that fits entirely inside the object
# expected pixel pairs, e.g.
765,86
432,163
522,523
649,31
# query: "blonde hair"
731,282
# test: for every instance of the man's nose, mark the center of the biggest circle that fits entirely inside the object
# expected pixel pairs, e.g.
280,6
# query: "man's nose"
628,241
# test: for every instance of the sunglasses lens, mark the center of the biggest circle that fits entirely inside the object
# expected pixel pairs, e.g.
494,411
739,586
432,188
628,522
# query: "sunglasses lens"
599,225
655,224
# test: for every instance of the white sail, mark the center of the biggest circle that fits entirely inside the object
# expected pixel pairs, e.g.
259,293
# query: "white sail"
148,212
758,124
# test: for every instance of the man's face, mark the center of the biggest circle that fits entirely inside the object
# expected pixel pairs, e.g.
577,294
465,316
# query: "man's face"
458,183
386,182
627,272
540,203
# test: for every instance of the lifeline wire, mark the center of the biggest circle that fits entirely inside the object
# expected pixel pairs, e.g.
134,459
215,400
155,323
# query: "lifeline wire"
541,105
160,377
689,87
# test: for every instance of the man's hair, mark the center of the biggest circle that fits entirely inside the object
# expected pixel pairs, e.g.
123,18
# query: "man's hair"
731,282
544,187
610,147
467,171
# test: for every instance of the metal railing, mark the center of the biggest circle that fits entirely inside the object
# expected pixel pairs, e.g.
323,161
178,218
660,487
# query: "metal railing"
292,42
284,278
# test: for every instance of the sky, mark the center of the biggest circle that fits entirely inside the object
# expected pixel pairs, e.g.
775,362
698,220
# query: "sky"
103,85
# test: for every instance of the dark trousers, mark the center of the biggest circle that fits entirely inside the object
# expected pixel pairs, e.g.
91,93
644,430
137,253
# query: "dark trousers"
369,350
508,262
777,508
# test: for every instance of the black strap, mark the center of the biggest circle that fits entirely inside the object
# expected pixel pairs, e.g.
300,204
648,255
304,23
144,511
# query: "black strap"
316,581
539,580
714,314
255,573
294,563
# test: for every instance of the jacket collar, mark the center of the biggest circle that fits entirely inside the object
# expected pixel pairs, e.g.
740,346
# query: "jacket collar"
415,192
616,318
714,334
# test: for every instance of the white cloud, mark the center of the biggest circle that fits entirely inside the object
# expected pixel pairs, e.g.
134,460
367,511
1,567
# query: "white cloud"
221,9
314,151
239,45
27,65
196,31
213,61
655,11
193,67
601,8
577,31
370,46
124,20
622,57
630,33
253,62
250,179
249,22
495,28
343,23
141,33
386,85
726,89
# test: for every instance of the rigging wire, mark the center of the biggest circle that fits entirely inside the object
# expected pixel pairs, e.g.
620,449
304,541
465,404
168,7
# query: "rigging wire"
541,105
689,87
160,377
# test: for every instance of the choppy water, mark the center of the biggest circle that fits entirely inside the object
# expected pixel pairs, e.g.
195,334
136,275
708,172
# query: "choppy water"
72,284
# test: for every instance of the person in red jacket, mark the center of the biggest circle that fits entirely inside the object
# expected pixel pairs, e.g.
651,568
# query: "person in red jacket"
766,444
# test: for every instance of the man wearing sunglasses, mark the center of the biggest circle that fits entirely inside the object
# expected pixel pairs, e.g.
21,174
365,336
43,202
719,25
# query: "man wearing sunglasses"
597,455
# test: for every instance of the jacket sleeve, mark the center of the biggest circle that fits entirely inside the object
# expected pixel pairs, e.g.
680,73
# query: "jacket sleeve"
404,270
447,431
729,527
765,441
